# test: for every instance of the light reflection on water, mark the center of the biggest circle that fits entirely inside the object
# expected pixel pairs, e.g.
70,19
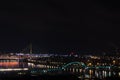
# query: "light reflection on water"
82,73
85,73
12,65
9,64
95,74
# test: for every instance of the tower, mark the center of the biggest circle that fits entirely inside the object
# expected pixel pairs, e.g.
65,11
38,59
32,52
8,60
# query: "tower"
30,48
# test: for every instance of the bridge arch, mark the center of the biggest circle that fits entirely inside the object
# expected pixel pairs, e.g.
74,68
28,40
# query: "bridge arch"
80,63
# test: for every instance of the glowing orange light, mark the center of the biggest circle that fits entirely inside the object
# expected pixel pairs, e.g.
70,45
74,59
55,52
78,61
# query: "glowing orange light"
9,64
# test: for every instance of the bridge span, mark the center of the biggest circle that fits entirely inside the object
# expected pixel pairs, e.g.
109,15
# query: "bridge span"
64,67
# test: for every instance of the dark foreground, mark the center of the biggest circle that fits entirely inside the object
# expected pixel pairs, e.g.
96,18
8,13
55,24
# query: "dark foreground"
52,77
40,77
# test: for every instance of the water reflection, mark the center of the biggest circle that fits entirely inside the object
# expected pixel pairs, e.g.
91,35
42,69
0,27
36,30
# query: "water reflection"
9,64
14,65
83,73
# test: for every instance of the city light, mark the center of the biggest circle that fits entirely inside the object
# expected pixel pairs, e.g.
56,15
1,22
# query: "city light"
15,69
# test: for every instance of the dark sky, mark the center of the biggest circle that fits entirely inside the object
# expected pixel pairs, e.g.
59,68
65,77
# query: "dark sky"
87,24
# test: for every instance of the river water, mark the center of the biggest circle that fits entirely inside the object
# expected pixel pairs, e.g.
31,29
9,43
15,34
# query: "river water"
21,68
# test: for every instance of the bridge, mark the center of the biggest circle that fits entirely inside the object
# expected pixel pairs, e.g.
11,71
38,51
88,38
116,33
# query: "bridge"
80,65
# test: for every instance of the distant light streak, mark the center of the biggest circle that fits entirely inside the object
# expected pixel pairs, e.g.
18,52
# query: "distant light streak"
17,69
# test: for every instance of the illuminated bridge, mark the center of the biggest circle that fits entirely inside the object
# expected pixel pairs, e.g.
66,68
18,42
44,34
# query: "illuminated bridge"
77,65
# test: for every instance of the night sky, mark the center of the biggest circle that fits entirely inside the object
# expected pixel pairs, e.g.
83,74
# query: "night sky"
87,24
